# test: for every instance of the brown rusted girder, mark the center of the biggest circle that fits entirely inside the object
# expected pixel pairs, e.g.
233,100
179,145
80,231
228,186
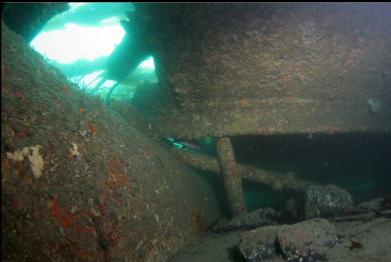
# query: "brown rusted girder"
231,177
276,180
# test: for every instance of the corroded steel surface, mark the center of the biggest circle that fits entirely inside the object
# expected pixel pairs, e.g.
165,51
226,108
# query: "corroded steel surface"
231,177
78,183
272,68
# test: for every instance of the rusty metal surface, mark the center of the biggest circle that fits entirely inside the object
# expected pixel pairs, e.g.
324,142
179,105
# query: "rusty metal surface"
276,180
272,68
78,183
231,176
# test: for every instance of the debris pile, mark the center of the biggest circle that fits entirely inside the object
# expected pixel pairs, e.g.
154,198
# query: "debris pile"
306,241
325,201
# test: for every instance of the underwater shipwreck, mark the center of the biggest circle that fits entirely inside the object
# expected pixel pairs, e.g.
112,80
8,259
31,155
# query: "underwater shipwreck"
208,132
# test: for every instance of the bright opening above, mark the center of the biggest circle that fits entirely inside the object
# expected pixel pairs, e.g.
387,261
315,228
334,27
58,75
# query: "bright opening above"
78,42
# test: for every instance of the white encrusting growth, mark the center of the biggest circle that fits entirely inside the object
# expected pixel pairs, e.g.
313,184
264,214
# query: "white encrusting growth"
34,156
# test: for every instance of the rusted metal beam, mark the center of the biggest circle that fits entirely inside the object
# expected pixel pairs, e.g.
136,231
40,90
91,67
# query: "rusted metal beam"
276,180
302,71
231,176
